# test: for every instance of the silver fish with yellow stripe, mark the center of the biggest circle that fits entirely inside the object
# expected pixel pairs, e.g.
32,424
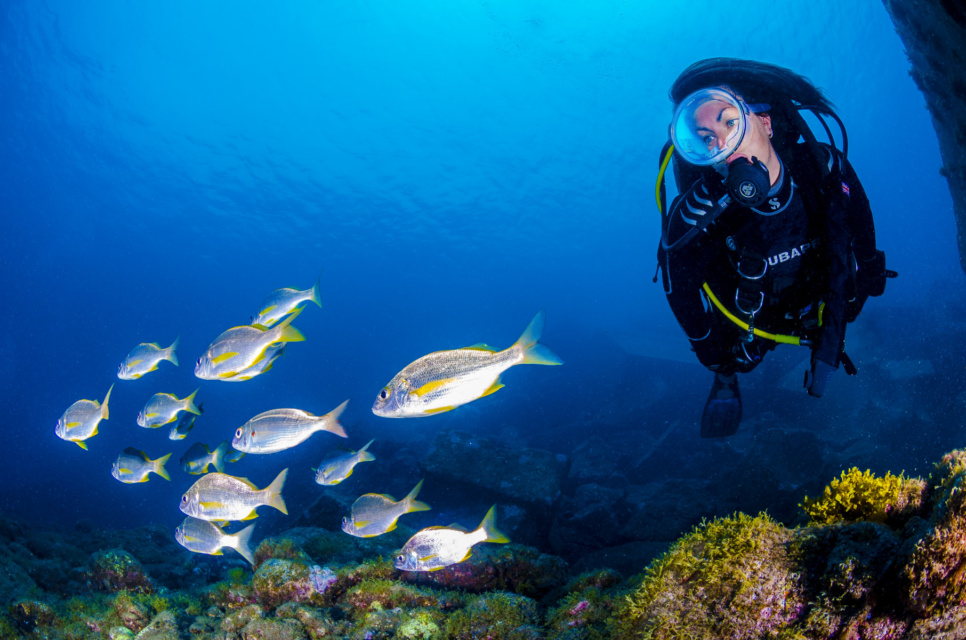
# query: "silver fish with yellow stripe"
375,514
197,458
144,358
133,465
80,420
281,429
239,349
272,353
219,496
282,302
436,547
202,536
444,380
338,468
163,408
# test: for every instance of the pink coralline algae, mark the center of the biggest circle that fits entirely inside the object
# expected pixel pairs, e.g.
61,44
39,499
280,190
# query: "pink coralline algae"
322,578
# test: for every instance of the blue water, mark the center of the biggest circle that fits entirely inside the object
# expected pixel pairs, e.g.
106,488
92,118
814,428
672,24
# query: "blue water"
450,167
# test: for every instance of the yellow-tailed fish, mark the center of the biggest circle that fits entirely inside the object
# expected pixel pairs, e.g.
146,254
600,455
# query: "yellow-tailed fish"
241,348
185,423
202,536
80,420
219,496
375,514
133,465
444,380
437,547
282,302
163,408
272,353
197,458
335,470
281,429
144,358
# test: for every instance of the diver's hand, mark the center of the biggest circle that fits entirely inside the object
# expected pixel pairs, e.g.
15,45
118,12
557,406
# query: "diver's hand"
817,377
705,200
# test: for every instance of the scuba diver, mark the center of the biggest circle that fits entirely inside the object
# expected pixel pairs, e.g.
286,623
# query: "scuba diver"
771,239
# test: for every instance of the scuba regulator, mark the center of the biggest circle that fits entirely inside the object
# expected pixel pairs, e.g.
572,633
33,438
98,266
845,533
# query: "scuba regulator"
747,182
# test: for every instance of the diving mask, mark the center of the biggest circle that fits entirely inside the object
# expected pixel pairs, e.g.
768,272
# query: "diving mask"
709,125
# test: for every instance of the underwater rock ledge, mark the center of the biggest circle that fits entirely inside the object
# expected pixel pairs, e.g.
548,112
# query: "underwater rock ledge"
881,558
934,34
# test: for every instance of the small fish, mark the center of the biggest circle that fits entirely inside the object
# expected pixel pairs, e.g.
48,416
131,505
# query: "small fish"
181,428
241,348
233,455
80,420
219,496
282,302
272,353
202,536
197,458
375,514
436,547
335,470
163,408
281,429
444,380
133,465
144,358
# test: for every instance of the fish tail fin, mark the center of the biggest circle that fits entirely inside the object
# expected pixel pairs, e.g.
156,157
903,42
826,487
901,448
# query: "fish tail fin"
412,504
104,412
190,404
274,492
218,459
331,421
288,333
364,455
316,293
529,342
243,543
169,353
159,467
488,526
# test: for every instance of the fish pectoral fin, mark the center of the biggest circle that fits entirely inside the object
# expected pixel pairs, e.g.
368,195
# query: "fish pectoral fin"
428,558
496,386
438,410
135,363
71,425
223,357
362,524
429,387
227,374
211,505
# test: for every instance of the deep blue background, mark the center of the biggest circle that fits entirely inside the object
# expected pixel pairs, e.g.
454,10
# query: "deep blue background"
452,167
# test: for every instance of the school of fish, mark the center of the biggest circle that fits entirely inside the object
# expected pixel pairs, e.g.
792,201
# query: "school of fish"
435,383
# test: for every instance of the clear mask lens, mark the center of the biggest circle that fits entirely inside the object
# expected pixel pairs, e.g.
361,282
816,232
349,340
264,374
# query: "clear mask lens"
708,126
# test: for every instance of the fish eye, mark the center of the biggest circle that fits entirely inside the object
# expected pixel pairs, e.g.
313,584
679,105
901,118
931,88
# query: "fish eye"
345,521
385,393
238,433
400,558
184,498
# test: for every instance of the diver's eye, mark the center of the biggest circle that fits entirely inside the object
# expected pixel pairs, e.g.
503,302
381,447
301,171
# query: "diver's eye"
384,394
732,123
238,433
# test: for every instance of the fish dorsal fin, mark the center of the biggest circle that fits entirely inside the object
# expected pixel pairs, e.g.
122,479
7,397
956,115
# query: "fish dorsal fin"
248,483
457,527
223,357
429,387
131,451
479,346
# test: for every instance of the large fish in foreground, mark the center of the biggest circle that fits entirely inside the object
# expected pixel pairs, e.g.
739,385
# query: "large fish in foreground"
219,496
436,547
240,349
281,429
444,380
144,358
80,420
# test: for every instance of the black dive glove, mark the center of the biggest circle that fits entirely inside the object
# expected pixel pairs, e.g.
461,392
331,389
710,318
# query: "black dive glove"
817,377
706,198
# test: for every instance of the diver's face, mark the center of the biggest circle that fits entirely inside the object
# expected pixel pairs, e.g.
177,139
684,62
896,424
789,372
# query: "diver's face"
716,123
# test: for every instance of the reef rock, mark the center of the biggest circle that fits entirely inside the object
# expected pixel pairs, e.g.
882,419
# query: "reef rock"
934,34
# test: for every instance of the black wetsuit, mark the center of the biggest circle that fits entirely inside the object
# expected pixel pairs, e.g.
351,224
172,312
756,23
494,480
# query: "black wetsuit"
804,240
